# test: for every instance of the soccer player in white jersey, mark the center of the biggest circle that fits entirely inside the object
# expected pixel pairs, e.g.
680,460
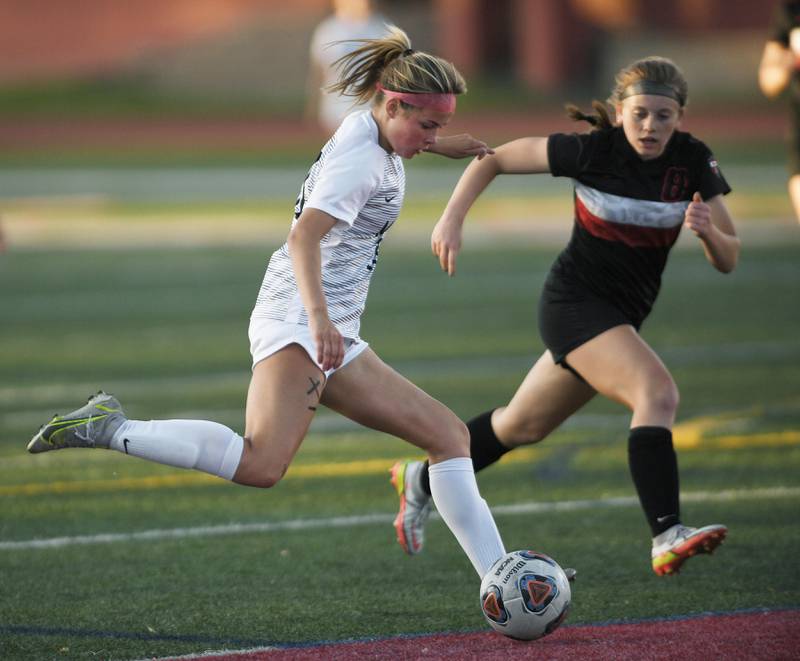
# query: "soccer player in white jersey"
638,181
304,330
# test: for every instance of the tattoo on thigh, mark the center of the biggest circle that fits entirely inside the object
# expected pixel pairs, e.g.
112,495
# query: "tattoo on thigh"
314,387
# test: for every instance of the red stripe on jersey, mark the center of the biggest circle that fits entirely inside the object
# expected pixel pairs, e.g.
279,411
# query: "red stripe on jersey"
634,236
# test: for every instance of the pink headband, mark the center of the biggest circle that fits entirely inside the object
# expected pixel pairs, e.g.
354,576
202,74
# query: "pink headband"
444,102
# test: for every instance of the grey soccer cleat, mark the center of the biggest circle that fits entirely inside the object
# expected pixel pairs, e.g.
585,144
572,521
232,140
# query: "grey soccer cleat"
415,506
91,426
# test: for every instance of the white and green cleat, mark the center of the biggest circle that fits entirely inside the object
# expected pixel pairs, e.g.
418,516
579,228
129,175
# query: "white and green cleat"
91,426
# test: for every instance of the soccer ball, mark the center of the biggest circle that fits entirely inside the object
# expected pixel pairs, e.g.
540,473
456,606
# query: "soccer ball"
525,595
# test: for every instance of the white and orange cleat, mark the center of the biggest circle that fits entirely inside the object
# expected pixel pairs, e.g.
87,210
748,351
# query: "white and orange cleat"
415,506
675,546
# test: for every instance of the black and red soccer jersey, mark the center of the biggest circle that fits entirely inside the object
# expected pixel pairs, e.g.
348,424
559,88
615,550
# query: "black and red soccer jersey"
628,212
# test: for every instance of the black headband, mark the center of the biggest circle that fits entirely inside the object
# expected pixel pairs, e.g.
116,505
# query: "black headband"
407,52
650,87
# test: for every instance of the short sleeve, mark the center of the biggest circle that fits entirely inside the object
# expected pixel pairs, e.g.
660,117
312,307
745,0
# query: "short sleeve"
349,176
706,174
566,153
711,180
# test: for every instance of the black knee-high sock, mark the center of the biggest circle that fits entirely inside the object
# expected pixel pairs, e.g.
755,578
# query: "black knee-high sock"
484,446
654,469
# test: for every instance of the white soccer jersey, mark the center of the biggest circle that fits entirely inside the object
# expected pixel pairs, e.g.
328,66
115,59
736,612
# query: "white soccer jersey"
361,185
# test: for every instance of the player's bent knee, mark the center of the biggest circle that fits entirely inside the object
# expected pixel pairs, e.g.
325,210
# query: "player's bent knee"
262,465
454,442
269,480
514,430
662,395
261,476
461,438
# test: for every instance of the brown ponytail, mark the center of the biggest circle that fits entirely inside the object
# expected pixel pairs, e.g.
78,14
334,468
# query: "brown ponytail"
599,120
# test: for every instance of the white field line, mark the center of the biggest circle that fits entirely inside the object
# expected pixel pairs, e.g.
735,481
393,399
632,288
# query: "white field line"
215,654
379,518
218,654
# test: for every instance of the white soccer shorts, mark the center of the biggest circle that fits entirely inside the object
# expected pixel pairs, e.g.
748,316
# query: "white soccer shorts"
268,336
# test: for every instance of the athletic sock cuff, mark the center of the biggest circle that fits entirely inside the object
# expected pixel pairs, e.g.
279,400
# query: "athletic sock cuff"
232,457
458,464
485,447
649,435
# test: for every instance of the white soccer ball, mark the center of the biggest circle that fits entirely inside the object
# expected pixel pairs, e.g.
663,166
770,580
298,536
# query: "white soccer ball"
525,595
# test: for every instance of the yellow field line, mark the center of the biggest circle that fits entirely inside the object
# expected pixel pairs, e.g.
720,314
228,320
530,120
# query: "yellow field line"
687,437
344,469
768,439
89,486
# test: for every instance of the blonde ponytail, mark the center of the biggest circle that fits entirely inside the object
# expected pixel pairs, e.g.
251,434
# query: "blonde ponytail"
392,62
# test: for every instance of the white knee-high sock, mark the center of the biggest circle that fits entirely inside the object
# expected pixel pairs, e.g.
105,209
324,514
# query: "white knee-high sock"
201,444
455,494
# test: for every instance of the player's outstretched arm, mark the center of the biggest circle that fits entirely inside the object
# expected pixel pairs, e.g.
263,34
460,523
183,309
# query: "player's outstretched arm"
523,156
460,146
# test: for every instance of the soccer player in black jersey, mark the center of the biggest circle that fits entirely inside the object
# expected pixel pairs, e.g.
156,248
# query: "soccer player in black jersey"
780,70
638,180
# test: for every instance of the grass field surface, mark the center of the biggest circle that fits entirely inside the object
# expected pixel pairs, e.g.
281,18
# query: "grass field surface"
140,281
105,556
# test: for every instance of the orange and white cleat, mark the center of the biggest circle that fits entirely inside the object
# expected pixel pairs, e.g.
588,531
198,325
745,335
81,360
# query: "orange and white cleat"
675,546
415,506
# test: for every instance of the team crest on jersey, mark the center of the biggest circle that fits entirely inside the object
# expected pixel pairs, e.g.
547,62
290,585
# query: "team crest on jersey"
712,163
676,185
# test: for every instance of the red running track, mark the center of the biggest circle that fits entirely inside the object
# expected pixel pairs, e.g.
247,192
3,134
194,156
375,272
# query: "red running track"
768,636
